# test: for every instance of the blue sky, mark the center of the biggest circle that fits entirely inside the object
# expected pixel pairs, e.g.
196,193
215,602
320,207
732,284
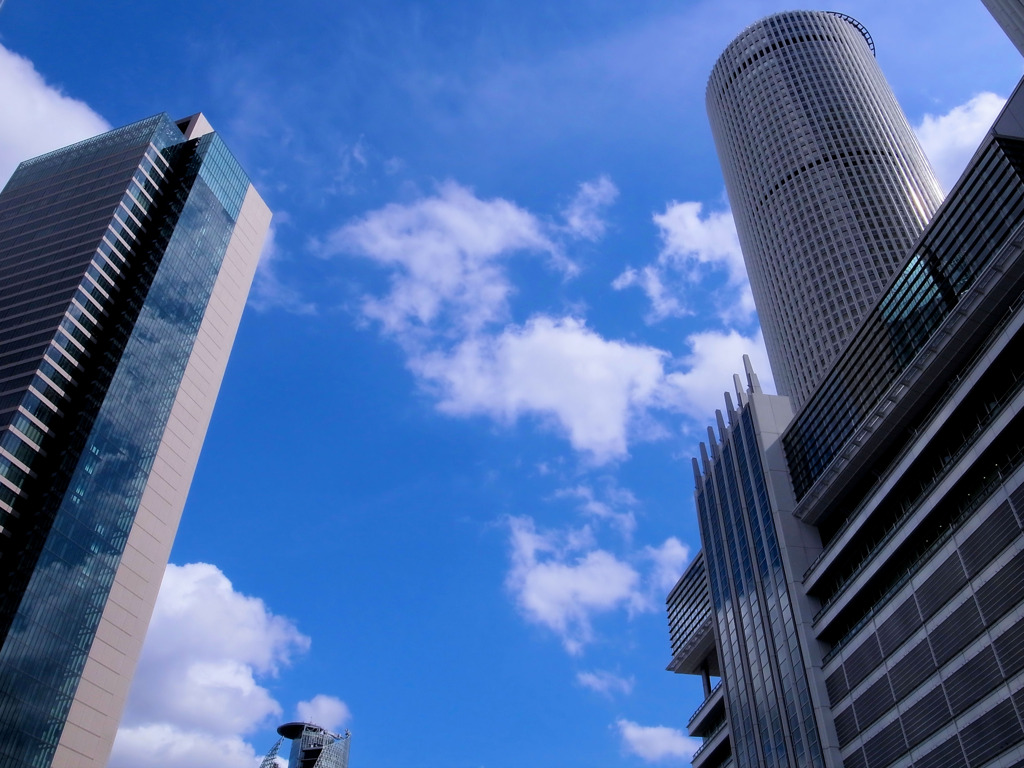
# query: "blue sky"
447,484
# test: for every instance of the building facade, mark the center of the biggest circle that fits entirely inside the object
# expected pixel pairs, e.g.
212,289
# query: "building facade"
917,490
895,495
756,634
125,262
828,185
695,652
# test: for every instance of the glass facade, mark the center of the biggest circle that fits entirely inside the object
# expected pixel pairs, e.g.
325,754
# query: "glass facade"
944,264
109,252
689,605
763,669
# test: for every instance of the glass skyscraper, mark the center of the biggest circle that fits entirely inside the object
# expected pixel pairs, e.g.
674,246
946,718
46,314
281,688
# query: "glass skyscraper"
125,262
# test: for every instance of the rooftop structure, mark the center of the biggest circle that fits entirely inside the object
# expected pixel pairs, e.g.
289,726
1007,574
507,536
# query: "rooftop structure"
312,746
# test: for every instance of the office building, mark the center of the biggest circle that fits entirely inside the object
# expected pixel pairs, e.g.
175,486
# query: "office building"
908,462
892,507
125,262
746,620
828,185
312,747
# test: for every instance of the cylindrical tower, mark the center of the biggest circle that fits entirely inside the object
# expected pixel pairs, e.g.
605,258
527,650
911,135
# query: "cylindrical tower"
828,184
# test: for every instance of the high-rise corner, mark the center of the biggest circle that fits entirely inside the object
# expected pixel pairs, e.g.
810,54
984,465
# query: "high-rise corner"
125,263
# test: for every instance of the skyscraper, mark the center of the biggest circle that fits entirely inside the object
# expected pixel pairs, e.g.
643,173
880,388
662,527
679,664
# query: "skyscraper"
828,185
125,262
895,496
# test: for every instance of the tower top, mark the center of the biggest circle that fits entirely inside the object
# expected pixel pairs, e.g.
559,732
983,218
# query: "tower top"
313,746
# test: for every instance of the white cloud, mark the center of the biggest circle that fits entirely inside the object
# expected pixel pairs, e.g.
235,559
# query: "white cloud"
690,238
556,368
447,260
610,508
162,745
714,357
37,117
196,687
664,303
951,139
670,560
268,291
583,216
657,743
445,254
601,394
359,152
351,162
562,582
606,683
694,246
326,711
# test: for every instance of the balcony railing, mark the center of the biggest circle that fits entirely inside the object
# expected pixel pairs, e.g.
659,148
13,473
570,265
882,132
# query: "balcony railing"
703,704
707,741
910,507
951,389
981,494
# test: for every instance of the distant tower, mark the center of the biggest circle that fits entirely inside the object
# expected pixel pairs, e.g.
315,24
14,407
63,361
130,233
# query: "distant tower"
828,185
312,747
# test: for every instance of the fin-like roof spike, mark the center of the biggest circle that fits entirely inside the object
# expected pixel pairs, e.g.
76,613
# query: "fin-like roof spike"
713,445
755,385
722,432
